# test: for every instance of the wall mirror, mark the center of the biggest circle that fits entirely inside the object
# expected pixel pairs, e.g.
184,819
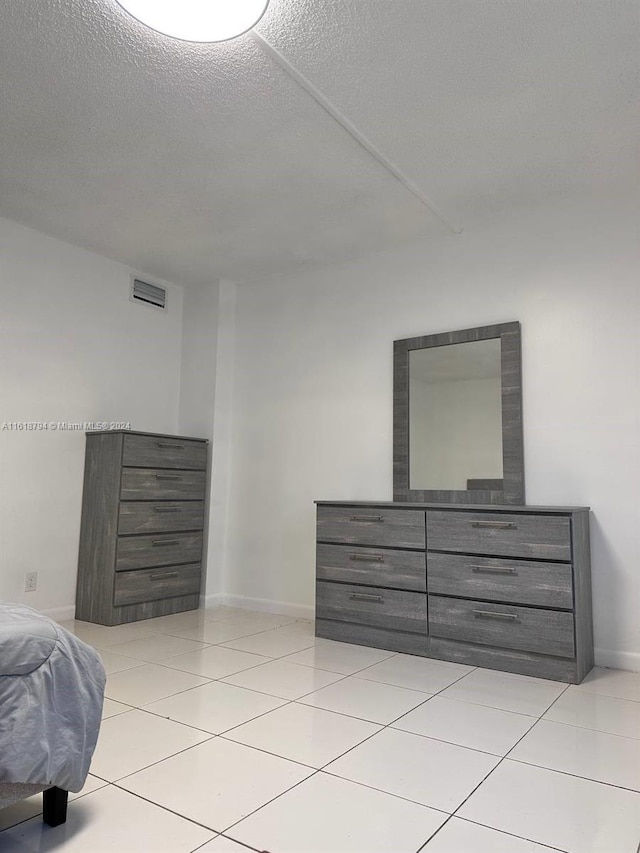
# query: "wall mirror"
457,411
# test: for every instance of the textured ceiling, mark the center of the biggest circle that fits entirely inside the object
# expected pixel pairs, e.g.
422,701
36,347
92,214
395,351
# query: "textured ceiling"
193,162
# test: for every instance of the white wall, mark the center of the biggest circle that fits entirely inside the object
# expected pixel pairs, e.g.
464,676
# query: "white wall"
455,432
198,360
73,349
206,397
313,392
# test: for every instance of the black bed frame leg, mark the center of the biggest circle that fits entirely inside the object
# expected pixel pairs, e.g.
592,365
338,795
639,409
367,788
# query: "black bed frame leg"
54,801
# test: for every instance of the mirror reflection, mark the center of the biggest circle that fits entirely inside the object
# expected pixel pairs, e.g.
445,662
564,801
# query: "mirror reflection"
455,416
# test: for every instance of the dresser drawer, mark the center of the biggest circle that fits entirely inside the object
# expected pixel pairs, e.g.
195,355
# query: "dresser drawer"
365,605
152,484
154,451
374,566
154,517
547,632
500,534
516,581
364,526
154,584
137,552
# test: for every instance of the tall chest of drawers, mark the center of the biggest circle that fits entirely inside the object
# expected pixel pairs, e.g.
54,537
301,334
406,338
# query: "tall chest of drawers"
502,587
142,526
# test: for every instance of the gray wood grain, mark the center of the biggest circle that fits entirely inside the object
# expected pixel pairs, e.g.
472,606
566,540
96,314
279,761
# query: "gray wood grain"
98,527
150,517
378,638
160,517
529,629
495,485
548,634
158,549
512,491
582,593
152,609
525,510
500,534
154,434
522,663
151,451
374,566
384,608
385,527
157,484
494,579
152,584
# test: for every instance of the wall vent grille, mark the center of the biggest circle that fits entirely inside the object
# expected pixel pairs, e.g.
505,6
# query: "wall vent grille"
150,294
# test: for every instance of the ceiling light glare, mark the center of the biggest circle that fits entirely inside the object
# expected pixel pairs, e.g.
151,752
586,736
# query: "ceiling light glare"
197,20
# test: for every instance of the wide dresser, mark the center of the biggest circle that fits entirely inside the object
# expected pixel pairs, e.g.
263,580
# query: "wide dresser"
142,527
505,587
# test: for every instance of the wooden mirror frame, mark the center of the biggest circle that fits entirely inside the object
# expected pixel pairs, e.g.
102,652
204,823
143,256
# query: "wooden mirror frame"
512,440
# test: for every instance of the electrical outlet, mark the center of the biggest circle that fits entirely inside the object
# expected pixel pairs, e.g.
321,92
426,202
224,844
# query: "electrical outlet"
30,581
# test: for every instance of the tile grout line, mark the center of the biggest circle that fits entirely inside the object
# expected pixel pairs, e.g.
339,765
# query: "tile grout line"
493,769
298,700
166,809
455,812
500,831
355,746
289,702
564,772
316,771
220,835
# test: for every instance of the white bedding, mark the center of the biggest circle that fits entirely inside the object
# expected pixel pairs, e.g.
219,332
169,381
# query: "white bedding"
51,694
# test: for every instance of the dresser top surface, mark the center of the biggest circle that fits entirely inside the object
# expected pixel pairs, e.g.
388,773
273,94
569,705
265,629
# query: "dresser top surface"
561,510
150,434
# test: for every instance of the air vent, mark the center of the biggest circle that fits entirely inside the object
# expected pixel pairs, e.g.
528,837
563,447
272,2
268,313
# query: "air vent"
150,294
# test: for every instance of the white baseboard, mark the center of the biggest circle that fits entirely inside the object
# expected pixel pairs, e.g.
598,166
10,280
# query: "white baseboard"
60,614
215,598
618,660
264,605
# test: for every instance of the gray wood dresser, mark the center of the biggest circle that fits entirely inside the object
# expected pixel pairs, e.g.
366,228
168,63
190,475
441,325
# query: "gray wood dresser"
505,587
142,526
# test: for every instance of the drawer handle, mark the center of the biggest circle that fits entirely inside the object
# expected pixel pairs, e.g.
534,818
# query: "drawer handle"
167,477
166,446
361,596
163,576
488,614
366,518
167,509
367,558
157,542
495,525
494,570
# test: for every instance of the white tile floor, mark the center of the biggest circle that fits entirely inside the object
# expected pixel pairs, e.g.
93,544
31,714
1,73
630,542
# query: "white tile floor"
226,731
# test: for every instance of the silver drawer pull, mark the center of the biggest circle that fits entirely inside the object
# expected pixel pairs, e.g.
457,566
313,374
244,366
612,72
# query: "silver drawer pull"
494,570
166,509
167,477
361,596
488,614
495,525
366,518
163,576
367,558
165,542
166,446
